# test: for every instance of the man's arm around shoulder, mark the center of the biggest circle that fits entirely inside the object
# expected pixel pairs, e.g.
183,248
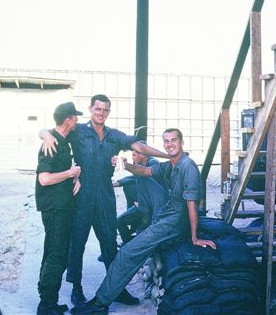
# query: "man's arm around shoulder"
49,142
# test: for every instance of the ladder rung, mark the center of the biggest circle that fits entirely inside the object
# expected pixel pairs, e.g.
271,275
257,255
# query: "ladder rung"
258,244
254,195
243,154
253,230
242,214
268,76
257,104
258,174
248,130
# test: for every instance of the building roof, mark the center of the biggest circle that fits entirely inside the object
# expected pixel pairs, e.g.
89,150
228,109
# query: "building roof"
23,82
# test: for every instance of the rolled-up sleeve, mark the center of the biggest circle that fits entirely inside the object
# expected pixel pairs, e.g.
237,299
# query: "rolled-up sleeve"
192,187
125,140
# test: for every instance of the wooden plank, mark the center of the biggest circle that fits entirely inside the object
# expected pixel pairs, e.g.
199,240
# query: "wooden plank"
225,145
268,85
258,174
254,195
262,122
235,76
269,213
243,214
256,56
253,230
243,154
257,104
267,76
257,244
247,130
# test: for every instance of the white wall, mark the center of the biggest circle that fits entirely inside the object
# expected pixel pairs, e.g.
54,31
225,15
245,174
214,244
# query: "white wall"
23,114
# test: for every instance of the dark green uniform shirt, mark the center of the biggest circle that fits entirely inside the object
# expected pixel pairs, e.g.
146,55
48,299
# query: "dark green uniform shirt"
60,195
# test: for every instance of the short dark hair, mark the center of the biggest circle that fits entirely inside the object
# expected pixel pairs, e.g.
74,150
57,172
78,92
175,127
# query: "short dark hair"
101,98
179,133
59,119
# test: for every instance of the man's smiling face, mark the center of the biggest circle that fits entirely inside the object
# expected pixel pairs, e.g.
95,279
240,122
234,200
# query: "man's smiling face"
172,143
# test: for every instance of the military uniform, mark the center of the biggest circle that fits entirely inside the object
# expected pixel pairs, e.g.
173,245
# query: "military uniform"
56,203
172,223
96,203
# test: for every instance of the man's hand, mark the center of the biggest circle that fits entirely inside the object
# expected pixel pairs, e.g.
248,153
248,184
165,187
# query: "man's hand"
75,171
204,243
136,169
117,162
49,144
77,186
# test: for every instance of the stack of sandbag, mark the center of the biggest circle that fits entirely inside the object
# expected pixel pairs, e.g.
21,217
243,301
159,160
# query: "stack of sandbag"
150,274
201,281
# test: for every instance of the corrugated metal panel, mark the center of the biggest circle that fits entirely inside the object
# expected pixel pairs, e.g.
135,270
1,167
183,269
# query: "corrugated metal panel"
17,82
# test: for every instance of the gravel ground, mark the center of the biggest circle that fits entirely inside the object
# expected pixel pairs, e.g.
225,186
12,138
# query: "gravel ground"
21,248
21,245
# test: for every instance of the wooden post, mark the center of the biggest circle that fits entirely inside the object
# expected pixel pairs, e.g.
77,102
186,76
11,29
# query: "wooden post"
225,145
256,56
269,212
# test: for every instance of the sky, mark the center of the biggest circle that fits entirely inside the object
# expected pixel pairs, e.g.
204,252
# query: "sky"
188,37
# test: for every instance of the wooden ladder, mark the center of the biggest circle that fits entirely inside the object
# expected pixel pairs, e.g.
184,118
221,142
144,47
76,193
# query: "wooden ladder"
265,125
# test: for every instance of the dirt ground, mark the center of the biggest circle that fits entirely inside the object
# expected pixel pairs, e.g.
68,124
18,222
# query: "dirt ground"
21,246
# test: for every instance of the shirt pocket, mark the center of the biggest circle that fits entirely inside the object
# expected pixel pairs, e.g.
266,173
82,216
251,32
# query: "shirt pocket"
111,147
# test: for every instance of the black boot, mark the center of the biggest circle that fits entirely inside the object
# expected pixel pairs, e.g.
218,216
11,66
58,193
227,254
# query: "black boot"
77,296
42,308
93,306
45,308
126,298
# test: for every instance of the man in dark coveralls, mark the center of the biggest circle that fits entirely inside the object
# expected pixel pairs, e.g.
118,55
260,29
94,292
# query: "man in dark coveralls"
56,184
150,194
177,218
94,144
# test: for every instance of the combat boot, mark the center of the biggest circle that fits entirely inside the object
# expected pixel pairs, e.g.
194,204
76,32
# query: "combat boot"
77,296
